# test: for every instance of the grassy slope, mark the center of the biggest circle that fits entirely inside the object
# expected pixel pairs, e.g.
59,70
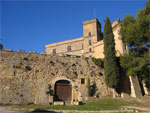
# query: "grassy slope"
99,104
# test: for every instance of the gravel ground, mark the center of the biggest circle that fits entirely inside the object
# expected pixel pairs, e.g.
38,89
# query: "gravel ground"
4,110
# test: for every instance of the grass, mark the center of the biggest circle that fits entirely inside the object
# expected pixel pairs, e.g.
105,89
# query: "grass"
94,105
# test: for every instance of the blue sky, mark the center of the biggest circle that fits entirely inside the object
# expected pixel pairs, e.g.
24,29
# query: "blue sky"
30,25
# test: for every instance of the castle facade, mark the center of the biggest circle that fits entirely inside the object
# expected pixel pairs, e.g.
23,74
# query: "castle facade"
91,44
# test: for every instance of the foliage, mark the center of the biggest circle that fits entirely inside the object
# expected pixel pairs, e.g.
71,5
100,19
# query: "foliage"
86,59
139,66
143,24
99,62
111,69
136,34
127,28
50,91
93,89
89,87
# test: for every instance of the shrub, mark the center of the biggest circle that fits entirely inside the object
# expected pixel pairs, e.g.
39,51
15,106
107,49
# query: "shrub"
99,62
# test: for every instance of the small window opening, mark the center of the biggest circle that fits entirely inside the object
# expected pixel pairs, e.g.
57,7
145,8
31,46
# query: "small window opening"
82,80
82,45
54,51
90,49
90,34
69,48
90,42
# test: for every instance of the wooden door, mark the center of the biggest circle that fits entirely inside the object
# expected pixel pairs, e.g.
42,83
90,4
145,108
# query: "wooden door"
63,92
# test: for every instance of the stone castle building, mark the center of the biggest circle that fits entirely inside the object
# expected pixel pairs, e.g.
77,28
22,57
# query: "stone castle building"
91,44
56,78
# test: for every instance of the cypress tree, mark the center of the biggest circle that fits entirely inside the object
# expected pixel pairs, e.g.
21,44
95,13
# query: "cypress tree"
111,70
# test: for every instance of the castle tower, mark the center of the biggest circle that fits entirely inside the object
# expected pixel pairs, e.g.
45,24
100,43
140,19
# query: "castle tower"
91,35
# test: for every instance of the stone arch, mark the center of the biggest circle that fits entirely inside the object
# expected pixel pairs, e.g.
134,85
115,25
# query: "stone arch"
68,83
61,78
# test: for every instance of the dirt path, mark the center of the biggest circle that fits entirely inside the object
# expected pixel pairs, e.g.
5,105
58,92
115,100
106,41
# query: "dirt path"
4,110
7,110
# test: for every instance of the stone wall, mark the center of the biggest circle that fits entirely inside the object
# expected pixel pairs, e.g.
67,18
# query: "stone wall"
25,77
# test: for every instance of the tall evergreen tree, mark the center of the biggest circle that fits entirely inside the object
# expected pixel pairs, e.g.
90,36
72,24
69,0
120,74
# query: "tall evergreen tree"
111,70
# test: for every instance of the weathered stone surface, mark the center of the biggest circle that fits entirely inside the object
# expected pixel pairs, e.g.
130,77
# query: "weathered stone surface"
25,77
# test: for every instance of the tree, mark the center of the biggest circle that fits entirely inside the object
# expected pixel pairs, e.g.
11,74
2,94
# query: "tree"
136,34
126,29
111,69
139,66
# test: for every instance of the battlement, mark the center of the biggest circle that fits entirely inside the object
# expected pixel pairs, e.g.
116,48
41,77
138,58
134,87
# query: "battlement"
21,51
90,21
8,51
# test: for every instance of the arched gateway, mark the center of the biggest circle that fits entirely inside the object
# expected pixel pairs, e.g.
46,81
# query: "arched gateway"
63,91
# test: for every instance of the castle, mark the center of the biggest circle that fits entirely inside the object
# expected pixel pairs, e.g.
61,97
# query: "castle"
59,76
91,44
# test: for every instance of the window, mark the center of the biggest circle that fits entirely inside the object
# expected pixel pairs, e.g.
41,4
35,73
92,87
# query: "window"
90,49
90,34
82,45
82,80
90,42
54,51
69,48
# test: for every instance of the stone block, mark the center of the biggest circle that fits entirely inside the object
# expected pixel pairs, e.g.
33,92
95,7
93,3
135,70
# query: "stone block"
76,103
8,49
32,52
135,87
59,103
43,53
21,51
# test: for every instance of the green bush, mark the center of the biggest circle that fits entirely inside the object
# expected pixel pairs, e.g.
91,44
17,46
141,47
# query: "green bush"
99,62
91,88
86,59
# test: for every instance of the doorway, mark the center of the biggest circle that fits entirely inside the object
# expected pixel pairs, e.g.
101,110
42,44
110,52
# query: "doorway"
63,91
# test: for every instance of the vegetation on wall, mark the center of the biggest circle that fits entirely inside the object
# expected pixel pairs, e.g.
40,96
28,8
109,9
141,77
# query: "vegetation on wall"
111,69
99,62
136,34
86,59
91,88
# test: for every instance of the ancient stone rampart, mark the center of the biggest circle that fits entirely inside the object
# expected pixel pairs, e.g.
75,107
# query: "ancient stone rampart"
25,78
